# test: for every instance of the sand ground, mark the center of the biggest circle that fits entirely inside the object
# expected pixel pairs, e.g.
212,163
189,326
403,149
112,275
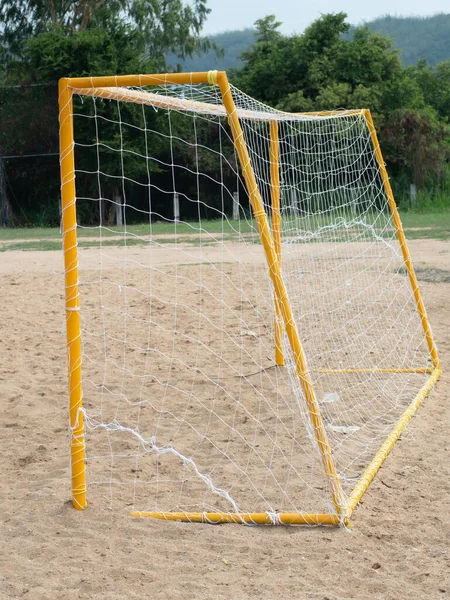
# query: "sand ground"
398,547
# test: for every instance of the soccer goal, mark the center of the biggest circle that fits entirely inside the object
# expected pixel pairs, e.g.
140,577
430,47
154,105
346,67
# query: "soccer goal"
245,332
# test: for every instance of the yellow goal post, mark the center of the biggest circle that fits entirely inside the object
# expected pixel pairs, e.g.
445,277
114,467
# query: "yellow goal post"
135,89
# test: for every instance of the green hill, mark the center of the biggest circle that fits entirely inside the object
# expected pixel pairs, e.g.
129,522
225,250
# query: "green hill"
417,37
233,44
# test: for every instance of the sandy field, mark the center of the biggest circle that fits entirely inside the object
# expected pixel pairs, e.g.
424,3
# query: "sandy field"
398,547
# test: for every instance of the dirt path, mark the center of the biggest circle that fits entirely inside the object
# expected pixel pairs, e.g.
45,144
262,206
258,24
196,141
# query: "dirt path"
398,548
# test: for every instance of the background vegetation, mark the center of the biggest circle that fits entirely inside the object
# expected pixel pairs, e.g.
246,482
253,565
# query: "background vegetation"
417,38
329,65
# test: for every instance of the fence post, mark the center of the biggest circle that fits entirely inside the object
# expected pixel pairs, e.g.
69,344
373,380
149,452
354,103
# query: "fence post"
412,194
235,206
119,209
294,203
176,207
4,220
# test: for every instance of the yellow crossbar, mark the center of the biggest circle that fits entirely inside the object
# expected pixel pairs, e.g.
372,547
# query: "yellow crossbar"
139,80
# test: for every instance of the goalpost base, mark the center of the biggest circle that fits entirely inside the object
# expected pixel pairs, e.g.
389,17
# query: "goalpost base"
245,518
389,443
313,518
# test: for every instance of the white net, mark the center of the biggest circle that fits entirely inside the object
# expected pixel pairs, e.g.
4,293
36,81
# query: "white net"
184,406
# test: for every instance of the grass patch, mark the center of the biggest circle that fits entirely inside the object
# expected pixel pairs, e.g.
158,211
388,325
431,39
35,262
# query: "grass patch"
141,229
137,241
433,275
417,225
33,245
49,244
29,233
413,219
420,225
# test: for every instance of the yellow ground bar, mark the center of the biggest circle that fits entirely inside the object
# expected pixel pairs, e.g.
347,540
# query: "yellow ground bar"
411,370
305,518
249,518
385,449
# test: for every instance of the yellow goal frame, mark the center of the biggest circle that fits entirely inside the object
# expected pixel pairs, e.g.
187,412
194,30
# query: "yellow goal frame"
270,240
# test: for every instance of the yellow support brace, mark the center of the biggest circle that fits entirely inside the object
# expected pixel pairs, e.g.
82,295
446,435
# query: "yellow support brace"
281,295
72,300
276,230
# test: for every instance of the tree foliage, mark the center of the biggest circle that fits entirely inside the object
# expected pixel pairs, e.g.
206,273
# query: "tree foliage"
155,26
328,69
416,38
322,69
416,144
43,40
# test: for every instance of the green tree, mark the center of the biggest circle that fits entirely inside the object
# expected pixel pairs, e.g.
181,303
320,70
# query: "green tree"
158,26
322,69
416,145
44,40
276,65
434,84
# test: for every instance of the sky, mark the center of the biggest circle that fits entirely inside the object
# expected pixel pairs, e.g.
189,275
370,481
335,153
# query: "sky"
298,14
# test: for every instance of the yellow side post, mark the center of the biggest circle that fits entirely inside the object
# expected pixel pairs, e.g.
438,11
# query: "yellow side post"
402,239
281,294
72,300
276,230
387,446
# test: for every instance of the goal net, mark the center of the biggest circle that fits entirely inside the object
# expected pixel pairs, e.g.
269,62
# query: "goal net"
246,337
